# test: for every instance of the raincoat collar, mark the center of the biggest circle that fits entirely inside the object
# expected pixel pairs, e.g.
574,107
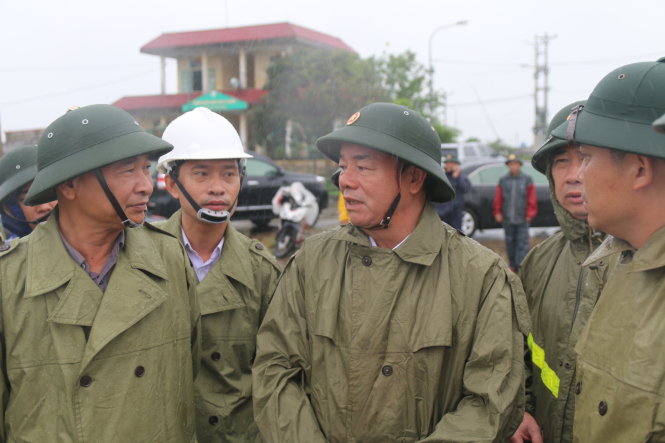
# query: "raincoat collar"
231,260
46,269
418,248
650,256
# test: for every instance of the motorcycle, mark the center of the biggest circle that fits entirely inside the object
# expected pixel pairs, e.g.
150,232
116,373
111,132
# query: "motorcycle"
297,209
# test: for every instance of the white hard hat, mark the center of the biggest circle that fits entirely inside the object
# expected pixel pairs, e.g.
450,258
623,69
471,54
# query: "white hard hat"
200,134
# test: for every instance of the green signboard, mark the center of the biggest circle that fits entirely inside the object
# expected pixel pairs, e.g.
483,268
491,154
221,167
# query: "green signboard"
216,101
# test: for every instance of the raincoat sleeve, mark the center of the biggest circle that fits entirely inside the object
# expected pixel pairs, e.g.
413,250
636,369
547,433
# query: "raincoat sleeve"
282,409
497,204
531,201
493,402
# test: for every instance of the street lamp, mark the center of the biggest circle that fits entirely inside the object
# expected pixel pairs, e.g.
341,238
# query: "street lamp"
429,51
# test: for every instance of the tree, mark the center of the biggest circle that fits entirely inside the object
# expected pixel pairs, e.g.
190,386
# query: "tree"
310,91
405,79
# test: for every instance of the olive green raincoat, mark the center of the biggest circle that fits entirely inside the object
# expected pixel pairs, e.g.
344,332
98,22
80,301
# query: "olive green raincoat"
234,297
621,353
420,343
131,378
561,296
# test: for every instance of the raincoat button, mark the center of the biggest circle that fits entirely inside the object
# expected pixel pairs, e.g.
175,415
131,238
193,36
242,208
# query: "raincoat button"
602,407
259,246
578,387
387,370
367,261
139,371
213,420
85,381
568,366
215,356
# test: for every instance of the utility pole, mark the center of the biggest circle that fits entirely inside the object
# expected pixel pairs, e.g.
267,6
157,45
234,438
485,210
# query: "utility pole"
541,88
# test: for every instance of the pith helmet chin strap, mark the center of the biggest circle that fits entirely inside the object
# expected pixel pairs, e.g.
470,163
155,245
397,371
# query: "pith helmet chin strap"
385,221
114,202
205,214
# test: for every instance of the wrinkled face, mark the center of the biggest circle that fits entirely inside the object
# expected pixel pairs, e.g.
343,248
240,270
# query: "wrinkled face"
34,212
130,182
213,184
605,184
368,182
566,165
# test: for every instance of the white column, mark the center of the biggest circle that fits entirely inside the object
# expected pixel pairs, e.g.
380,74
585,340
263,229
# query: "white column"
162,66
205,83
243,128
242,68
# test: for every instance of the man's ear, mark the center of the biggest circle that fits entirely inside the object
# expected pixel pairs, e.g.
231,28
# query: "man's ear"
415,178
644,168
67,189
171,187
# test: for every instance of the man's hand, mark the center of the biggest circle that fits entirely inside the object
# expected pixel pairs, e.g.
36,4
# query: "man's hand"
498,218
527,431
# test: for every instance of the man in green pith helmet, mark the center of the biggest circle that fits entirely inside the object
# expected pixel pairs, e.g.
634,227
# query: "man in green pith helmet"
17,170
394,327
561,294
100,322
237,276
620,381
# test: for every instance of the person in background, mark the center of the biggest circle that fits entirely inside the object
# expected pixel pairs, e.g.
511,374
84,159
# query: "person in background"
394,327
561,293
515,205
100,323
18,168
237,275
452,212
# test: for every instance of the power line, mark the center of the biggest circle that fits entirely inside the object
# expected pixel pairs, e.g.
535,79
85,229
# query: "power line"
66,68
496,100
72,91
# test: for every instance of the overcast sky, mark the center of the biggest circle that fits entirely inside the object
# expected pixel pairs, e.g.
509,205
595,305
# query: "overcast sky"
58,53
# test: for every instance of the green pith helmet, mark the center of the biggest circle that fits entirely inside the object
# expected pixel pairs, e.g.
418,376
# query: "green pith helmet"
84,139
513,158
452,158
395,130
620,110
17,167
659,125
542,155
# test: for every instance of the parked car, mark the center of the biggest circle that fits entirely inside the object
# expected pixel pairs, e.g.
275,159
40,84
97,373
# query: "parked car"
470,152
262,179
484,176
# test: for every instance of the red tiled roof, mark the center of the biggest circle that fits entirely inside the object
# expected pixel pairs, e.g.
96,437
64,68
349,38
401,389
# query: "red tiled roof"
241,34
170,101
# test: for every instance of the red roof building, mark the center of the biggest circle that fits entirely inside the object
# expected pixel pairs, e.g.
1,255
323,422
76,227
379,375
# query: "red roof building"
232,61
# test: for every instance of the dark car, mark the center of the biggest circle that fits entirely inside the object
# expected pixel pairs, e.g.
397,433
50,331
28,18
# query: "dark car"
262,179
478,201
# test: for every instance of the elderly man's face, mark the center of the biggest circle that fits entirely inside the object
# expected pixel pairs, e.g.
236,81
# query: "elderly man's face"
567,187
130,182
606,188
368,182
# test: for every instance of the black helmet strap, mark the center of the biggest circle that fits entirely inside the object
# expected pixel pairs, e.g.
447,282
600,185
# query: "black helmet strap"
114,202
385,221
206,215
